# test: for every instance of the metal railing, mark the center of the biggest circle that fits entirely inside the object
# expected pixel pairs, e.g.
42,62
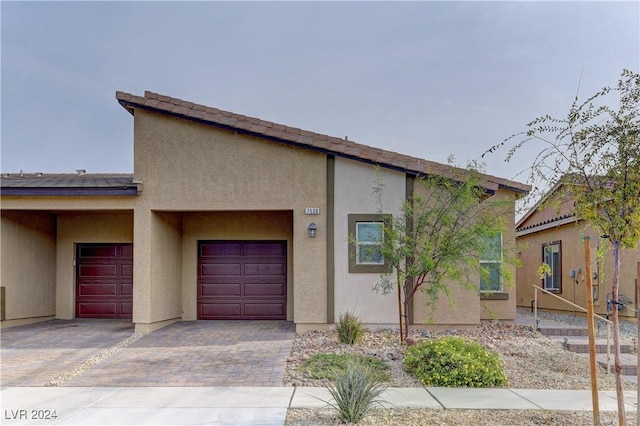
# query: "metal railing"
608,322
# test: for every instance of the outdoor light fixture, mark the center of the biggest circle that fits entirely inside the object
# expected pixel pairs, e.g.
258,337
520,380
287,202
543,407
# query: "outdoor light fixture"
312,230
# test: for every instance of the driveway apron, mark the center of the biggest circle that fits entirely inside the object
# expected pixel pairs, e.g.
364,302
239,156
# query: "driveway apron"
194,353
32,355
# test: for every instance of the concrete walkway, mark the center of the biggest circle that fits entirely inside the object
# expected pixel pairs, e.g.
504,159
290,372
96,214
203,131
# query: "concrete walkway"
256,405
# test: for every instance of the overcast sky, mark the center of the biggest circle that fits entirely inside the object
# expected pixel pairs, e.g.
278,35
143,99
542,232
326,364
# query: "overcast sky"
428,79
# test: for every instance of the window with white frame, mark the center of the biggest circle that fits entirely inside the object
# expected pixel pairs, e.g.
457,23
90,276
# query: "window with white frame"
552,257
369,243
491,265
366,233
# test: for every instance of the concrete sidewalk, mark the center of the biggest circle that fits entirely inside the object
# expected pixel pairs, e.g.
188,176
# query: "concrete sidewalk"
257,405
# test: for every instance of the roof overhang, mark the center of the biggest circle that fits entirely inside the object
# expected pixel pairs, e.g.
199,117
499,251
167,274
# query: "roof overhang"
70,192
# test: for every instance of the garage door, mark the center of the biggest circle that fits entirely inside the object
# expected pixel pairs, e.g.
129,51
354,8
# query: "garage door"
242,280
104,280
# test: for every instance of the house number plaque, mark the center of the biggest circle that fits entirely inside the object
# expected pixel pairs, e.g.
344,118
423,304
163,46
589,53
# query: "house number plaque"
312,210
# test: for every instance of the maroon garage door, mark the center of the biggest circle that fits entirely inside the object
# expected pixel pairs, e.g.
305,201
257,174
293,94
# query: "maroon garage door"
242,280
104,280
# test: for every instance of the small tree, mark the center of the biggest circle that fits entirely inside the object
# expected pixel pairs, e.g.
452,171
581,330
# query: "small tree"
594,153
437,236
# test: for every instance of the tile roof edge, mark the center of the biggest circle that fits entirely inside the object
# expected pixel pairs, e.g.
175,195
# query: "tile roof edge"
213,116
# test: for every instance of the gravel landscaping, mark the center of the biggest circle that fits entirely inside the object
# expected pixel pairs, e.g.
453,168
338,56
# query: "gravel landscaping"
532,361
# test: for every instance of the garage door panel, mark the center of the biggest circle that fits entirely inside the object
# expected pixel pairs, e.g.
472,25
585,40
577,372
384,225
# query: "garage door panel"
264,310
97,290
97,271
220,250
264,269
264,249
126,289
97,309
263,289
126,252
242,280
221,269
126,309
126,270
98,251
228,289
221,310
104,281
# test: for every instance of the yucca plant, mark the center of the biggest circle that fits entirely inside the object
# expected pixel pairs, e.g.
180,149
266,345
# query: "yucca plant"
355,391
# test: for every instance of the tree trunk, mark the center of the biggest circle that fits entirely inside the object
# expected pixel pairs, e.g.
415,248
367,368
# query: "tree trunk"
406,317
402,337
622,420
592,338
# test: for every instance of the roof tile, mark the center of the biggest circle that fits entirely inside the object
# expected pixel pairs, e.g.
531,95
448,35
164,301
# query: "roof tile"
181,110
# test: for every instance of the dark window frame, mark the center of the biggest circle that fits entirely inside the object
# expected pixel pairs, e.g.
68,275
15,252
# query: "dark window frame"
544,279
500,263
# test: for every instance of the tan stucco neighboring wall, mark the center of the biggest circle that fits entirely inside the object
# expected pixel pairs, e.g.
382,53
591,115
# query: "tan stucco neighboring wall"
166,266
464,306
505,309
572,252
84,227
28,260
354,182
272,225
467,303
559,208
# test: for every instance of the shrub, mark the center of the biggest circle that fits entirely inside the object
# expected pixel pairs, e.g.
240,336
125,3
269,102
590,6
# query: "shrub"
349,328
453,361
326,366
355,391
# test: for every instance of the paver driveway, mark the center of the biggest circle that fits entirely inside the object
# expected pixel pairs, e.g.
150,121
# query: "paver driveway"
200,353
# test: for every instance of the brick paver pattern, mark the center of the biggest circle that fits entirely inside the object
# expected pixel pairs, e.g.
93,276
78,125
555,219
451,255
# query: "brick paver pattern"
193,353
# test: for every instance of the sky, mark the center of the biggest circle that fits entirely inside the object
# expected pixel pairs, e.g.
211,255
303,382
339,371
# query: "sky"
427,79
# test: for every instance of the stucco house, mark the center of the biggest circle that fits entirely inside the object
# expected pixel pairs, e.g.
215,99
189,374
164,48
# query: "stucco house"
551,233
224,217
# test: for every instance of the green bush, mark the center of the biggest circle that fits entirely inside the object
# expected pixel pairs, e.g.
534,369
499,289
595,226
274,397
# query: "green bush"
455,362
349,328
326,366
355,391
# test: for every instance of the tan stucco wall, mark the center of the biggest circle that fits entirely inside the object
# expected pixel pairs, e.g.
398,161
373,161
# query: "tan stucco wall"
84,227
189,167
573,289
557,209
505,309
28,257
166,266
354,183
463,306
275,225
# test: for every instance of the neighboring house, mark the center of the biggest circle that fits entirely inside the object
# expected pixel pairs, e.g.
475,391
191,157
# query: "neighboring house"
552,234
224,217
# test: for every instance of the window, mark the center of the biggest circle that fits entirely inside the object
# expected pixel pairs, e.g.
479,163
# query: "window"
366,232
368,243
552,257
491,265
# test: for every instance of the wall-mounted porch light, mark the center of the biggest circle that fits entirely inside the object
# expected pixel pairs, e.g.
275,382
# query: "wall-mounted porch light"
312,230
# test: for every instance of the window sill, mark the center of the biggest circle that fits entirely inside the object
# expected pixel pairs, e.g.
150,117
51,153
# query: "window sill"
496,295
